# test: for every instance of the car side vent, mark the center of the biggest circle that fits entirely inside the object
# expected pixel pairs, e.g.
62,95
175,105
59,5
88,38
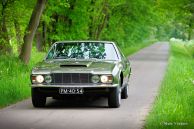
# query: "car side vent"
73,65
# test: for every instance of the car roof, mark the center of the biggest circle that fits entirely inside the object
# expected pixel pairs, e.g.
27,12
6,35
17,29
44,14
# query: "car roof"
81,41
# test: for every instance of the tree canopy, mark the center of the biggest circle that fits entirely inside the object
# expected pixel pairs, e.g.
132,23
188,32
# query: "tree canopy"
40,23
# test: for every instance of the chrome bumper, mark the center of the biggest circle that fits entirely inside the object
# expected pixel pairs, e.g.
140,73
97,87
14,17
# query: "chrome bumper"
77,86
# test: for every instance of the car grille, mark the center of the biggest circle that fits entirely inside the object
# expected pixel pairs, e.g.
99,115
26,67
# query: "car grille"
71,78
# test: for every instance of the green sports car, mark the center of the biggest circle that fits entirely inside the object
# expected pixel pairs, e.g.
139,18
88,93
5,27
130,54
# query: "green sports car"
81,68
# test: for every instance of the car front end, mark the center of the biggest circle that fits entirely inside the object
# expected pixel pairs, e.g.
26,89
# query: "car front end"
73,79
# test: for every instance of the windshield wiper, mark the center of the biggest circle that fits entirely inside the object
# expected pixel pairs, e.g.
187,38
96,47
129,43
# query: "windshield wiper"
72,59
62,58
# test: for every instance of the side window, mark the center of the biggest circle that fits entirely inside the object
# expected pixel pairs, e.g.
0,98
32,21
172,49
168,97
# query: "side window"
122,56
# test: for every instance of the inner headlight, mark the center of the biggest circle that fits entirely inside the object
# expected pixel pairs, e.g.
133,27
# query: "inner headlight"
48,79
95,79
106,79
39,78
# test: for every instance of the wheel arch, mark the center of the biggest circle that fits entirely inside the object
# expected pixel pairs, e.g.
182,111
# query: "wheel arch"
121,78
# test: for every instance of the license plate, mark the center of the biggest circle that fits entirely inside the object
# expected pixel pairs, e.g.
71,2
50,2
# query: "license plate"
71,91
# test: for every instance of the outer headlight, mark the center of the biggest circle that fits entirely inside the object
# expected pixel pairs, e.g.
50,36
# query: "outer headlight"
48,79
106,78
95,79
39,78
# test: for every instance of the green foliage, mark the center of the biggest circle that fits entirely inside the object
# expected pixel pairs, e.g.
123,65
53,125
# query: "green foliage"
119,20
68,21
174,105
17,14
129,22
126,22
174,19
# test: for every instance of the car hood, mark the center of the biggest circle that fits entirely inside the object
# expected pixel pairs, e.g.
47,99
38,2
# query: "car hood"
53,66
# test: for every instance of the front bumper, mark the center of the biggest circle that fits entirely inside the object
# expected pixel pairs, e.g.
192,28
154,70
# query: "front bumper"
76,86
54,92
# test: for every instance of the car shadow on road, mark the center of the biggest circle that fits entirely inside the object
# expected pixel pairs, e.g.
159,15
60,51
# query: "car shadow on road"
76,103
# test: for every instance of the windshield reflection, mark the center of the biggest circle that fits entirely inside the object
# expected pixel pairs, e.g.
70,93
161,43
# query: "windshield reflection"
84,50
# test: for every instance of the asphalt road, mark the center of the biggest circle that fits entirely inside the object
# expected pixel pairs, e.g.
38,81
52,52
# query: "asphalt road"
148,68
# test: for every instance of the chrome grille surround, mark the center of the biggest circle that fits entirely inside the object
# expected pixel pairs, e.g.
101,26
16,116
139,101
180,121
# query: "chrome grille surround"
70,78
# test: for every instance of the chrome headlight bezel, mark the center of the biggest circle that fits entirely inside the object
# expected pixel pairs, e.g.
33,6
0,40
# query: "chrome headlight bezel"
48,78
106,78
95,79
37,79
40,79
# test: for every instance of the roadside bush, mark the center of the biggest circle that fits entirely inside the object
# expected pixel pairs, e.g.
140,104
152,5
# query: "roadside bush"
183,47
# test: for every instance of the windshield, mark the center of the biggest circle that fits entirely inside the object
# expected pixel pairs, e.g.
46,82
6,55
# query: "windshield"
83,50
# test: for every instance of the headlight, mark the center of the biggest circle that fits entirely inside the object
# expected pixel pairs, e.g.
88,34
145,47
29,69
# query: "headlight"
48,79
106,79
39,78
95,79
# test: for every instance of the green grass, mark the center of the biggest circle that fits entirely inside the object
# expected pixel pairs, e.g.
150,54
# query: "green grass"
174,106
14,78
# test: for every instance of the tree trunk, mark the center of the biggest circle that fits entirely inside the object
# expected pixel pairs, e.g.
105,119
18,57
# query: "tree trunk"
190,30
18,34
104,21
54,25
101,27
91,25
31,30
38,40
44,30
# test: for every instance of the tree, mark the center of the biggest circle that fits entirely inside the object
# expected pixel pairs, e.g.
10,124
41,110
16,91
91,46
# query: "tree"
176,18
31,30
6,47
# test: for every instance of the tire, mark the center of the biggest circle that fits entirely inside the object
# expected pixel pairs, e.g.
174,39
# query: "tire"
124,93
114,99
38,100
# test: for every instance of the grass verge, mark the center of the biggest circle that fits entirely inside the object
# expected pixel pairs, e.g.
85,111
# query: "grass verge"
136,47
174,106
14,78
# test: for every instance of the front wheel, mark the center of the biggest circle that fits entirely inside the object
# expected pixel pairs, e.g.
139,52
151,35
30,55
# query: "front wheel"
114,99
38,100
